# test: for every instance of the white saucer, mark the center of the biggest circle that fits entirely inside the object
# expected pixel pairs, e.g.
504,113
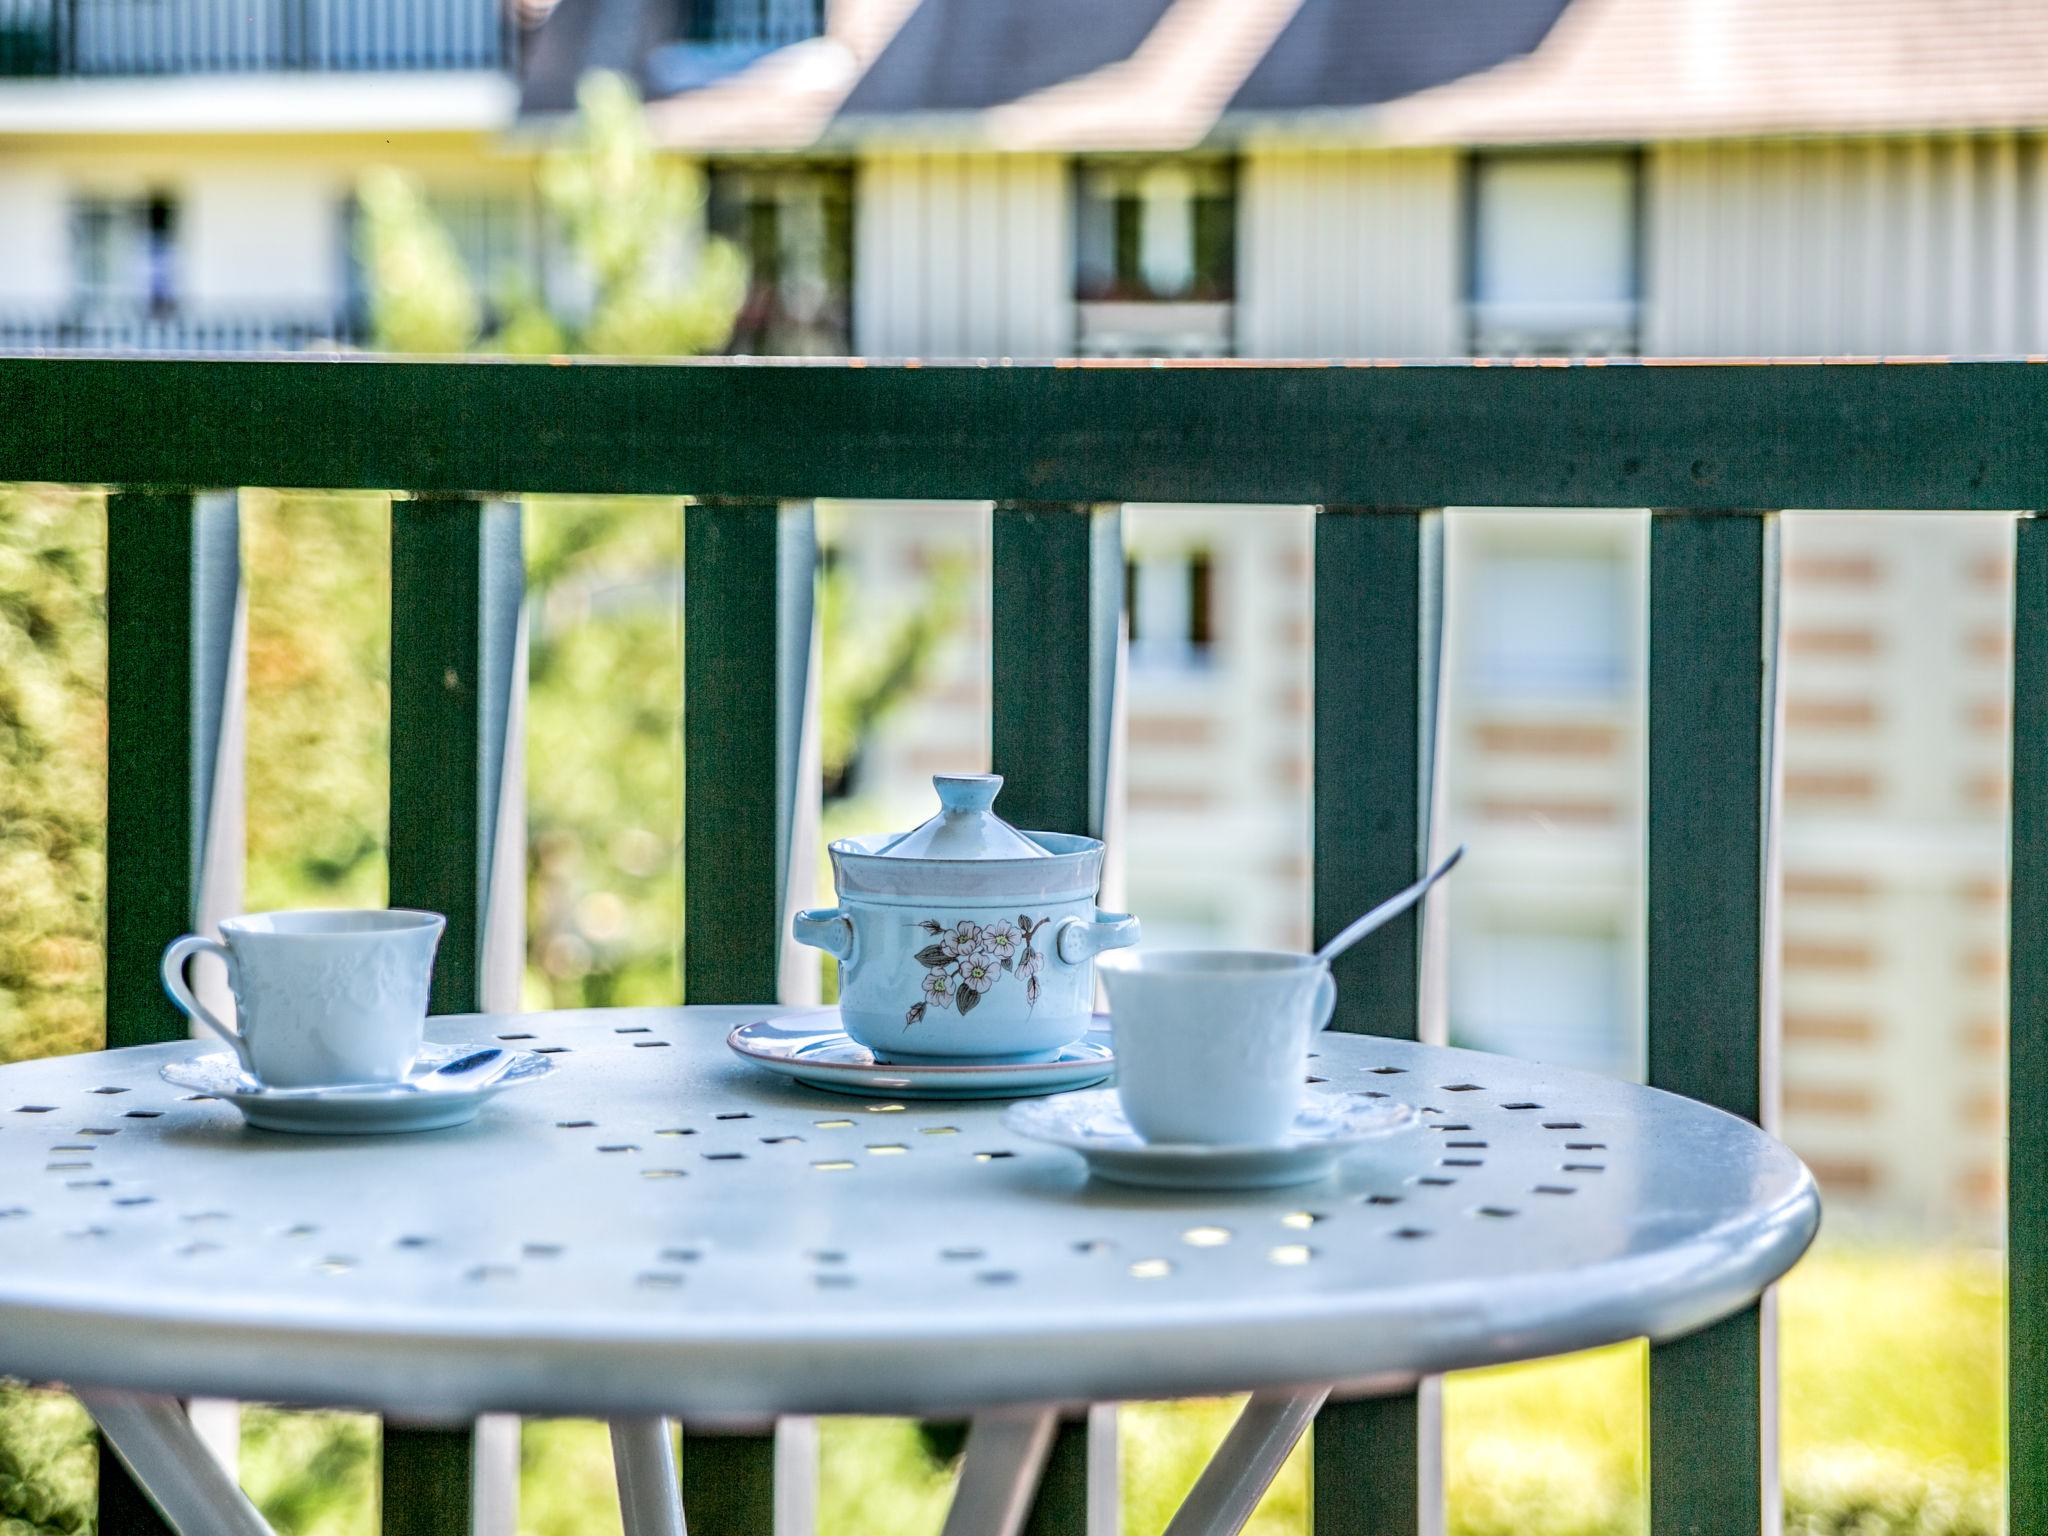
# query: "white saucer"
1327,1126
814,1049
419,1103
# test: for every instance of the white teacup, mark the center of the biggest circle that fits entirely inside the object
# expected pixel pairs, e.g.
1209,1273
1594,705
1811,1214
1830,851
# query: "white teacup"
322,997
1212,1045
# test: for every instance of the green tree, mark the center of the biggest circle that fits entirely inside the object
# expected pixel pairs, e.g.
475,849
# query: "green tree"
52,770
604,767
622,212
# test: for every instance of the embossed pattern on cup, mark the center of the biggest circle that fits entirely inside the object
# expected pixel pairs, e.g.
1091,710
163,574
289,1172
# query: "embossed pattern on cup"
320,997
1212,1045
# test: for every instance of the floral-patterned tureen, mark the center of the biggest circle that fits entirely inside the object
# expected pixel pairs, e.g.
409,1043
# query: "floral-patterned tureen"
965,939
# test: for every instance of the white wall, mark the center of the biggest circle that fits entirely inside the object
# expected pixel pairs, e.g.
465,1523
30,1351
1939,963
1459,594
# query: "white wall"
1349,253
960,255
1848,246
258,223
35,238
257,239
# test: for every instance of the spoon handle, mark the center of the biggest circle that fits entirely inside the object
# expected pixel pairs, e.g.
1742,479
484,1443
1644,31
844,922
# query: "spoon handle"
1389,909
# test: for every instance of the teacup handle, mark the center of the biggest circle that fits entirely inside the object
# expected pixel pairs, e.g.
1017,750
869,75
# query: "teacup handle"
1325,1005
175,957
830,929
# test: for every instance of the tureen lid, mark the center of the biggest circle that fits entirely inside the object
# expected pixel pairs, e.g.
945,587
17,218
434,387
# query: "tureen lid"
966,826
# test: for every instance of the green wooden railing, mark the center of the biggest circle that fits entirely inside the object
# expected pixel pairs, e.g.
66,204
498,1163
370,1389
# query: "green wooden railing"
1057,449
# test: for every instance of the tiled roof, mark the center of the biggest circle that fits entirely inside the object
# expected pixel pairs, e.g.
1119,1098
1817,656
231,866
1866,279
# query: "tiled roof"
1634,70
1154,74
1353,53
967,55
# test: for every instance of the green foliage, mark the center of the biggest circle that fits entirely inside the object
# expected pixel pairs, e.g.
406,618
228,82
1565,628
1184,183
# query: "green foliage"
874,660
317,576
1164,1448
312,1474
565,1479
421,296
621,209
47,1464
604,752
52,770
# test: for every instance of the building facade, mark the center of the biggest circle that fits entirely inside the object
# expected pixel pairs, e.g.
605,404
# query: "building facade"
1281,178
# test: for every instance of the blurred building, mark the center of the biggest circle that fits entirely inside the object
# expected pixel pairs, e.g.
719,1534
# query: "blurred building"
1364,178
180,174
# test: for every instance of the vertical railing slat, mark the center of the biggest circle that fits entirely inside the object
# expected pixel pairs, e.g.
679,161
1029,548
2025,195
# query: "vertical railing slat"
1378,637
2027,1132
1056,610
173,569
173,573
1055,613
457,584
1378,641
1713,668
748,593
747,615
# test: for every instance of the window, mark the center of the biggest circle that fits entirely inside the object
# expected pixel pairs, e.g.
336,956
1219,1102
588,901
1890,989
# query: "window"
795,228
124,255
493,232
1169,601
752,23
496,235
1550,624
1159,231
1554,254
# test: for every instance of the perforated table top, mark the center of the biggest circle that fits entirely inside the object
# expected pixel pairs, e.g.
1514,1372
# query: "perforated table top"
660,1227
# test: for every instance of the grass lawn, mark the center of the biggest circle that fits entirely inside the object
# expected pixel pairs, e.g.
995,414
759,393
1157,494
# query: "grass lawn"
1892,1415
1892,1424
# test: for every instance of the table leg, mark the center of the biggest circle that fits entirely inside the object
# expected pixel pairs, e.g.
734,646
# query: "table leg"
156,1441
1006,1452
644,1461
796,1476
1245,1464
1105,1511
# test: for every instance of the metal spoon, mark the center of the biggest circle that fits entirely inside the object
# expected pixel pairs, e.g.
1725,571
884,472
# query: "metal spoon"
468,1073
1389,909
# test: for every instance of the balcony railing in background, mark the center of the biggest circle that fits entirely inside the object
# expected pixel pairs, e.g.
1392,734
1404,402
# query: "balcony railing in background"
179,37
1377,450
197,333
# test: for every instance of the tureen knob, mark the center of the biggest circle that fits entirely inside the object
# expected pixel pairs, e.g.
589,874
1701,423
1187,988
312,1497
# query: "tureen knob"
973,792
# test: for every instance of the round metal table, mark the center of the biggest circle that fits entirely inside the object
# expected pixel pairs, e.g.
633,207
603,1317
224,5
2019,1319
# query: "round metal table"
660,1228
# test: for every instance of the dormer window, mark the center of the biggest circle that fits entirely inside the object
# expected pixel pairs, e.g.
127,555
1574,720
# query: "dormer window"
754,25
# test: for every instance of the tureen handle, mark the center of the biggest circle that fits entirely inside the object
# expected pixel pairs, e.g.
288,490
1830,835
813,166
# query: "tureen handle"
826,928
1078,940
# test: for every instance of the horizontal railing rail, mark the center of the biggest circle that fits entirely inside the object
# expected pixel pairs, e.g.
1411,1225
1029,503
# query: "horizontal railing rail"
1728,437
1715,450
